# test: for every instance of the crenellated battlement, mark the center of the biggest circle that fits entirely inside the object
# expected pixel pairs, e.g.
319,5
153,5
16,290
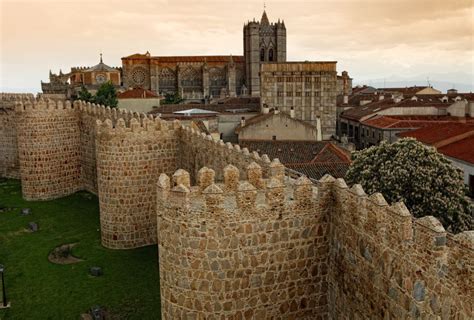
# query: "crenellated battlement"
138,125
218,154
16,96
234,227
234,199
84,68
40,105
396,254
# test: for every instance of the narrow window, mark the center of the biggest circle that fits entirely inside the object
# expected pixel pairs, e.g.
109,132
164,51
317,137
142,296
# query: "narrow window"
270,55
262,54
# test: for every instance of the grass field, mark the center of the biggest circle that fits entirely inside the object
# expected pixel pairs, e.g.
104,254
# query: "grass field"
39,289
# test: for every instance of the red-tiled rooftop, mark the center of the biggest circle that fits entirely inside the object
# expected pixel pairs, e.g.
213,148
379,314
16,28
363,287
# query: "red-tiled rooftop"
400,122
312,158
360,112
405,90
136,94
441,134
462,150
172,59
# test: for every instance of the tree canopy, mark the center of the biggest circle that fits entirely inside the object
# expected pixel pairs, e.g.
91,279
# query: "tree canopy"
172,98
106,95
419,176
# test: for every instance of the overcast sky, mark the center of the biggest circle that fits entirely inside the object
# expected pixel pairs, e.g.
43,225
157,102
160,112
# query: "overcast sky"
395,40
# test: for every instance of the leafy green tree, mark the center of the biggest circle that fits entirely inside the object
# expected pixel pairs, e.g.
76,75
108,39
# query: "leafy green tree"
172,98
106,95
419,176
84,95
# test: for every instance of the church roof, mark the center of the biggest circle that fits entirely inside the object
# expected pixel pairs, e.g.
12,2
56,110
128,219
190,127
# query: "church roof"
101,67
174,59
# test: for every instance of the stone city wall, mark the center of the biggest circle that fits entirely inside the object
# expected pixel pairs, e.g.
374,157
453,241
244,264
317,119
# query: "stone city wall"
88,114
198,150
9,162
48,149
386,265
276,249
251,249
129,161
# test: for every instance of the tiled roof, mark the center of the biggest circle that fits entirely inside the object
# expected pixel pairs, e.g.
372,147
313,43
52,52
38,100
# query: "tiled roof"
462,150
238,100
438,135
312,158
406,90
136,94
318,170
399,122
173,59
361,112
286,151
438,97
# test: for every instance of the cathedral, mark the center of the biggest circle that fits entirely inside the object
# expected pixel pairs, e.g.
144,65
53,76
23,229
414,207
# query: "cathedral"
203,77
309,88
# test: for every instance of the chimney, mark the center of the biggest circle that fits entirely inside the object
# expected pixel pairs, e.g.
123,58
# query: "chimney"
292,113
276,110
242,122
265,108
318,129
346,99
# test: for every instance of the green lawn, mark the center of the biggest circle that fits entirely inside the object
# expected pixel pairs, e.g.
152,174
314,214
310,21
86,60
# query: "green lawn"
38,289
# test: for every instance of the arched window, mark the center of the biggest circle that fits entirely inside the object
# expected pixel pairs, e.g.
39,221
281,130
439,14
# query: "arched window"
262,54
270,55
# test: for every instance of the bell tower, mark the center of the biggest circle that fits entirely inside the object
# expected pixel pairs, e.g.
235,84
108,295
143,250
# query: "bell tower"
263,42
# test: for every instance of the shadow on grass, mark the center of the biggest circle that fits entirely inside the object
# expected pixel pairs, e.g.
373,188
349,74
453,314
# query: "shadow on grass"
39,289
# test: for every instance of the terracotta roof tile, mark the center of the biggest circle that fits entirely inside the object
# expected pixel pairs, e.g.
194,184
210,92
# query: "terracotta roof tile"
312,158
440,134
361,112
399,122
318,170
174,59
462,150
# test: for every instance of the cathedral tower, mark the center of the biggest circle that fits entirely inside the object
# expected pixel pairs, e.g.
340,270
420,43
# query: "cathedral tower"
263,41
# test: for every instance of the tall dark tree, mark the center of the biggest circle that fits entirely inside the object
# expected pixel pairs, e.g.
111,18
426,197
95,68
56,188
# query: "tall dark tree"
172,98
84,95
419,176
106,95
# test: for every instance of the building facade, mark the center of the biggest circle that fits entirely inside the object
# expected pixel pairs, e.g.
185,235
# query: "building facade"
66,85
202,77
309,87
193,77
263,42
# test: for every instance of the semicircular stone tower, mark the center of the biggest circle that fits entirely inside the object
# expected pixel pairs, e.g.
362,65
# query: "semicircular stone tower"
48,149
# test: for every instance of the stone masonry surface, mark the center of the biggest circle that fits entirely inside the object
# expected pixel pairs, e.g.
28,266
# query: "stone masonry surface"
238,239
